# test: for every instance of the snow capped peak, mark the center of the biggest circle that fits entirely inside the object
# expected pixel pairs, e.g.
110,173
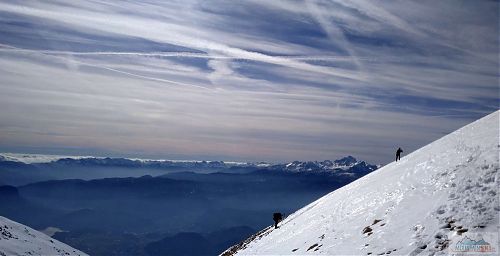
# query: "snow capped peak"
346,161
344,164
437,199
18,239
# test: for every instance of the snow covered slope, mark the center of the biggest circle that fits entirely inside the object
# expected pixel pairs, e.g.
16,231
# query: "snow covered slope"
17,239
441,193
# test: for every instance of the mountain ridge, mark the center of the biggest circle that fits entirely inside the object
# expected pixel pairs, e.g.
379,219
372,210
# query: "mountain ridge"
18,239
325,165
14,171
423,204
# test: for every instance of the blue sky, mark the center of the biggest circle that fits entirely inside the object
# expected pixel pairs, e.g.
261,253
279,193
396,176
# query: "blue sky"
243,80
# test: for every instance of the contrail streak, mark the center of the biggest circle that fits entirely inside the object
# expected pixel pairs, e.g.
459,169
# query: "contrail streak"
8,48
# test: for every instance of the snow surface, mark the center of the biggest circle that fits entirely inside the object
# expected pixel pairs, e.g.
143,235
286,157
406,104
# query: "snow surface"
435,195
18,239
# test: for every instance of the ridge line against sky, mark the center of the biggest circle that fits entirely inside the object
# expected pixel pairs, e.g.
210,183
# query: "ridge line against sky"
250,80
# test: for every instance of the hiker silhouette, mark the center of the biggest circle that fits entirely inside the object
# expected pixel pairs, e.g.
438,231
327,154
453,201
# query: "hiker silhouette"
277,217
398,154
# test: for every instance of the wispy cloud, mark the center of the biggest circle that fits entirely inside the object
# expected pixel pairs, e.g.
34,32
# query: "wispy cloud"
253,80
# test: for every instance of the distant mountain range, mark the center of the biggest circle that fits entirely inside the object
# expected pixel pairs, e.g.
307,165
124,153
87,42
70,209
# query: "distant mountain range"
344,166
119,206
347,164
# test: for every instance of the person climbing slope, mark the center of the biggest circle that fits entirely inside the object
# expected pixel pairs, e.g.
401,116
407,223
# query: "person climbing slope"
277,217
398,154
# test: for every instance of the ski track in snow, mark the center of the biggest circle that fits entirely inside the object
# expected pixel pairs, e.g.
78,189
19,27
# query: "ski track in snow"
411,207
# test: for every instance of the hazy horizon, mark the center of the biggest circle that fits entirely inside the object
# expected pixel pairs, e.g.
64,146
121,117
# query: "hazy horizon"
32,158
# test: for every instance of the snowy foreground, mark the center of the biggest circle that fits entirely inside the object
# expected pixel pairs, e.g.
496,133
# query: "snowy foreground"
441,199
17,239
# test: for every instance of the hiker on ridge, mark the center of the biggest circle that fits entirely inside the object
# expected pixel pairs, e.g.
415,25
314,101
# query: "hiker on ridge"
277,217
398,154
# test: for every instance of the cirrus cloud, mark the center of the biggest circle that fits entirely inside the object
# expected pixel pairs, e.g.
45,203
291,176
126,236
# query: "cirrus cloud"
252,80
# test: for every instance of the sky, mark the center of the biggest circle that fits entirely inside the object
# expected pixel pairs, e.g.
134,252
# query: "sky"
250,80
